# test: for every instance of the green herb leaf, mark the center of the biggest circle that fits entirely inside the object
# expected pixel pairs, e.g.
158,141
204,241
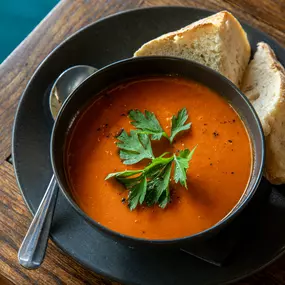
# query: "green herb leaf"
178,123
150,185
164,199
158,188
137,193
147,124
134,147
130,182
157,165
181,165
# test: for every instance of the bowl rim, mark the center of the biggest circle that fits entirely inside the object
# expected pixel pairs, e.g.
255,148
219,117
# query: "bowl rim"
225,220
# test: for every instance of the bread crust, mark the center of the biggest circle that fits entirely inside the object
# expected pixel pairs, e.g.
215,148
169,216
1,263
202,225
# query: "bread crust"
272,115
231,63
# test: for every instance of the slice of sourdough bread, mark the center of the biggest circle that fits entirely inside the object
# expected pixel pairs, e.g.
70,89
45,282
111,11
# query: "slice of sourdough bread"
218,42
264,85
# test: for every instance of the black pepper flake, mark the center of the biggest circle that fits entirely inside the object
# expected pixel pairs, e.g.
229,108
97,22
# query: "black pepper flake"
215,134
143,232
123,200
230,141
99,129
119,132
211,164
234,120
205,124
123,115
232,172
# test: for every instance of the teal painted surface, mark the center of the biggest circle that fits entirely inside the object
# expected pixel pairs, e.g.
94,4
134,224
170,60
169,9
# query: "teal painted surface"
17,19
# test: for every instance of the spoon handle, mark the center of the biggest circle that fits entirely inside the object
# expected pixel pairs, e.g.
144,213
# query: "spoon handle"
33,247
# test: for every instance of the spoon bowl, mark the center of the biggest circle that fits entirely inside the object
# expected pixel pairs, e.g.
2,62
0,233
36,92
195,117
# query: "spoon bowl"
65,84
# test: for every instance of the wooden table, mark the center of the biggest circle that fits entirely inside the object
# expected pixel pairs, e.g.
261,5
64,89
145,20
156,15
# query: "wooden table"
66,18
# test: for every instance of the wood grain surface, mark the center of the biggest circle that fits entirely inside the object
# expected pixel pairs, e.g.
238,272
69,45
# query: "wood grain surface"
66,18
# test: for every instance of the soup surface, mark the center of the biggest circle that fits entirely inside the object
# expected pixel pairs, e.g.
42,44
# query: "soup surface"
217,176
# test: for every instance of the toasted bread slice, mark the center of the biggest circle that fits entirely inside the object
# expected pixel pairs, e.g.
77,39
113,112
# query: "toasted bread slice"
264,85
218,42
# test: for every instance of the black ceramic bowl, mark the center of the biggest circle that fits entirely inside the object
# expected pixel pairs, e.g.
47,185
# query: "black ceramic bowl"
141,67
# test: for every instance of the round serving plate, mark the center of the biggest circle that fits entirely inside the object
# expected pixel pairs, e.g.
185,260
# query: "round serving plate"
101,43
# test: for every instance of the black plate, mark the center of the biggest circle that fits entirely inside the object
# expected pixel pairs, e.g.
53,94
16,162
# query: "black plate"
99,44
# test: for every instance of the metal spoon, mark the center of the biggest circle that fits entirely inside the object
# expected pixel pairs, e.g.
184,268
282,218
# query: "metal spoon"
65,84
32,250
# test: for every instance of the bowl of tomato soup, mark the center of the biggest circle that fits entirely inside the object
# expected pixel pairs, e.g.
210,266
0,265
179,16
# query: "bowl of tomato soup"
157,150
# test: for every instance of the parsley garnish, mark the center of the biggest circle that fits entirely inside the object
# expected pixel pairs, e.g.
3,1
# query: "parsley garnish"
134,147
178,123
181,165
147,123
151,185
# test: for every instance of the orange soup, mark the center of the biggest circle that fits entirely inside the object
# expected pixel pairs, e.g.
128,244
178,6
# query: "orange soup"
216,178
